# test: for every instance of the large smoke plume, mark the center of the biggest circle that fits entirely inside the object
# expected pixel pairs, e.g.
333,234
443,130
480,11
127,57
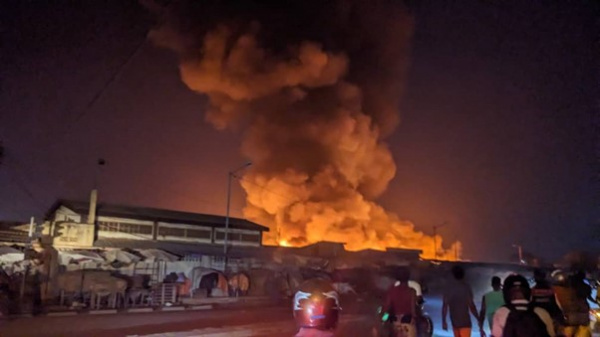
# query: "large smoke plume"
314,86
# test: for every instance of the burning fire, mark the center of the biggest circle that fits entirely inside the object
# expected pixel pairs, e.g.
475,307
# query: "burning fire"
315,112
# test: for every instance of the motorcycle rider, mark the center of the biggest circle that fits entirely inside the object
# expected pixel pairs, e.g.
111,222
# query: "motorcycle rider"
516,293
571,297
423,322
316,309
401,304
543,296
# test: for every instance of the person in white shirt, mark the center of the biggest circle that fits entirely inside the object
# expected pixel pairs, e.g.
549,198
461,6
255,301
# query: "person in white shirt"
517,293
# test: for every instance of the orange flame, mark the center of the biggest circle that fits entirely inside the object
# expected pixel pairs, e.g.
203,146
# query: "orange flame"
297,217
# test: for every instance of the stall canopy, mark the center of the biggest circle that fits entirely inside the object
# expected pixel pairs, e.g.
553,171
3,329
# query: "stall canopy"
118,255
152,255
10,255
203,278
67,257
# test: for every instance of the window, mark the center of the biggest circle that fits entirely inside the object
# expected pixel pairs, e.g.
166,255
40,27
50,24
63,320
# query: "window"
124,228
230,236
247,237
238,237
108,226
197,234
170,231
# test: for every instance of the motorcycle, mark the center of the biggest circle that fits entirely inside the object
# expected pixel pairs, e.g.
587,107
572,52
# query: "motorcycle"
595,319
394,327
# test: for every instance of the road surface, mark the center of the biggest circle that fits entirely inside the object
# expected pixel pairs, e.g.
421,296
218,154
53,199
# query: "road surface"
258,322
266,322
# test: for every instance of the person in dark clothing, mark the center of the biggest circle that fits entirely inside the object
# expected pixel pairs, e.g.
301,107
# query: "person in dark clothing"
458,300
572,294
542,295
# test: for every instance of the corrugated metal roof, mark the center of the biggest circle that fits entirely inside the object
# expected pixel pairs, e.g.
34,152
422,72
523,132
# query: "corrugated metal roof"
184,248
9,234
156,214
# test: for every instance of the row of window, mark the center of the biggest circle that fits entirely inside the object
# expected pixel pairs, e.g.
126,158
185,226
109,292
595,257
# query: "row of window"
175,232
124,228
184,233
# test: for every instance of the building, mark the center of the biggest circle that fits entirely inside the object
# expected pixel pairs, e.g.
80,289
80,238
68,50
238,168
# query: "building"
85,225
200,238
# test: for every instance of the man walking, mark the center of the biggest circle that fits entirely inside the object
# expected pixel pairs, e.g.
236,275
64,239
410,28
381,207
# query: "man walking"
491,301
458,299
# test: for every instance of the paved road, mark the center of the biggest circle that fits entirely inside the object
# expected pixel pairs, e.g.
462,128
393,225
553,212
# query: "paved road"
350,326
262,322
137,324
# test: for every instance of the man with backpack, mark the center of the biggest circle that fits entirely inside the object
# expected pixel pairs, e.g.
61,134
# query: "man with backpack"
519,317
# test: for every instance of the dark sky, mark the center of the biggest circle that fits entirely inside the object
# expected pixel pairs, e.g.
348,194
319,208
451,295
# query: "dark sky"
497,135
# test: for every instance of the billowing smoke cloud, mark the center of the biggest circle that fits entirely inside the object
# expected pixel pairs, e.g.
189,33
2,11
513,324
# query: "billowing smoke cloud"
315,87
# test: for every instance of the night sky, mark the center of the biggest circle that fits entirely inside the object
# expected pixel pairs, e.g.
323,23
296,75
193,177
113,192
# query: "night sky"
498,134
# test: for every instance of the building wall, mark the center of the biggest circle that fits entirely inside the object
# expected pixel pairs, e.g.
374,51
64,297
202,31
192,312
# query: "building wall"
123,228
65,214
238,237
68,229
185,233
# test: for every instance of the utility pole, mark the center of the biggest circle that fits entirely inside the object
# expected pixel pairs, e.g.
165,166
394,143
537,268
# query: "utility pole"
520,251
230,175
435,227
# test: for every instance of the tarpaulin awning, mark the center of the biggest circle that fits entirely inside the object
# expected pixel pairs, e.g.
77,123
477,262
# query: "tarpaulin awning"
120,256
10,255
152,255
78,256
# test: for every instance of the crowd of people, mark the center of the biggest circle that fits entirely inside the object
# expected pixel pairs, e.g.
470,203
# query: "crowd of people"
513,308
554,305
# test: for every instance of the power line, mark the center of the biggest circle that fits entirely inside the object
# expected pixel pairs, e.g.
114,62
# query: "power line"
23,187
114,76
264,188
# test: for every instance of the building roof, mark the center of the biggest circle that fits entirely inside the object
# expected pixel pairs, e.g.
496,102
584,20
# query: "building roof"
10,234
155,214
185,248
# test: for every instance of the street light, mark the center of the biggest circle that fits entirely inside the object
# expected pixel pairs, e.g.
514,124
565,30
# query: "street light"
230,175
435,227
520,249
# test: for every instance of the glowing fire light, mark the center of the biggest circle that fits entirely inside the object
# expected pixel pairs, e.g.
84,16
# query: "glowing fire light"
284,243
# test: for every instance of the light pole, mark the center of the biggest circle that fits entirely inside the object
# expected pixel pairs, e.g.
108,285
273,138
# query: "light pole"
520,250
230,175
435,227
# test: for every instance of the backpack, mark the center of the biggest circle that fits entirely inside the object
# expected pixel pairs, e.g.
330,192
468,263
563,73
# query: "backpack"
524,323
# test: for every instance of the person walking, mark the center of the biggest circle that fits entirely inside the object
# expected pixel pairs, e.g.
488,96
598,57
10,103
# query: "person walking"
491,301
458,300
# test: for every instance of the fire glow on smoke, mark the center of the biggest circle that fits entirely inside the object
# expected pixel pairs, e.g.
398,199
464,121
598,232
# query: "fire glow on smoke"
315,90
